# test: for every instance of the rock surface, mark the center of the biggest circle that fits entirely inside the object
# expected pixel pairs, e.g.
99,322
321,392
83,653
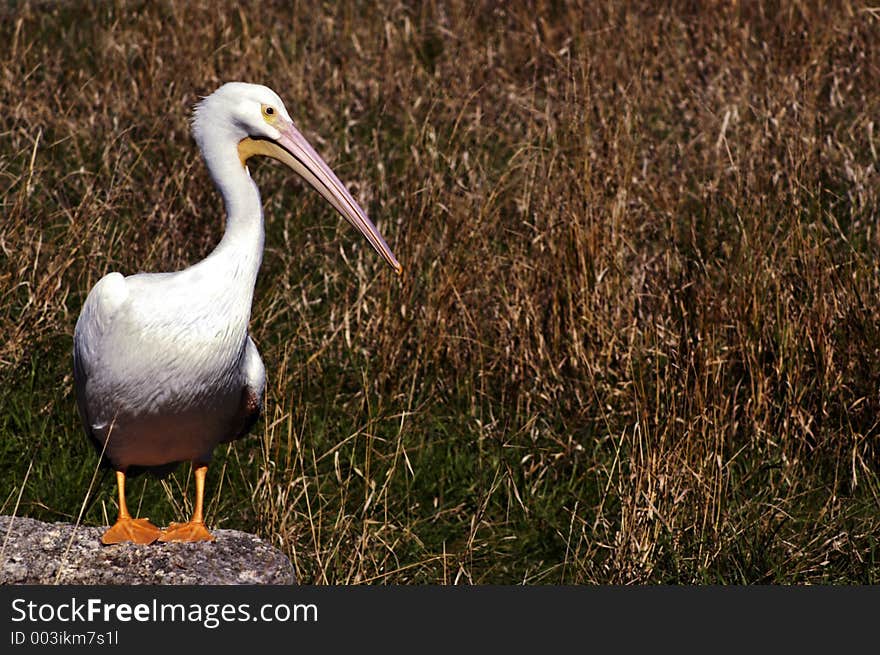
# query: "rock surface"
33,552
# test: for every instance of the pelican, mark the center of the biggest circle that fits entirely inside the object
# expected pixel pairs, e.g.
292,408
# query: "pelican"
164,369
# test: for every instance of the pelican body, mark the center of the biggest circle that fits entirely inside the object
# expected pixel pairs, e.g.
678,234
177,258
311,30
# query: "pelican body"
164,368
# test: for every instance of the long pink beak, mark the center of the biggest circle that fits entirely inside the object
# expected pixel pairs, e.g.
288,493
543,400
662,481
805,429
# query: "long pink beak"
315,171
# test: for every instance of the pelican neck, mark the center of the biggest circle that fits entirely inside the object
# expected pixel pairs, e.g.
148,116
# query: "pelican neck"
240,252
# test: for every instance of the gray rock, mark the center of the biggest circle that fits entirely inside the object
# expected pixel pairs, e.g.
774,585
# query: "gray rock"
33,552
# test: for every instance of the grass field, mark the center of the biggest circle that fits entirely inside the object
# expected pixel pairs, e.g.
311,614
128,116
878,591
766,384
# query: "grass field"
638,337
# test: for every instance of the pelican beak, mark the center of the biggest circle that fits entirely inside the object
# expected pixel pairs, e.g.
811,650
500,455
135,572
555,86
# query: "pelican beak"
292,149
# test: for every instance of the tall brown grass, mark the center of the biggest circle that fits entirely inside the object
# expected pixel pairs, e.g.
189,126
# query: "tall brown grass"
637,336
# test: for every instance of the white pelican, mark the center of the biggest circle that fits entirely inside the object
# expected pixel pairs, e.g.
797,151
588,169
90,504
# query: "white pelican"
163,365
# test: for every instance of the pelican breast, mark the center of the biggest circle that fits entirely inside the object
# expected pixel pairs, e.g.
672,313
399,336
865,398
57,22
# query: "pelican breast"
160,371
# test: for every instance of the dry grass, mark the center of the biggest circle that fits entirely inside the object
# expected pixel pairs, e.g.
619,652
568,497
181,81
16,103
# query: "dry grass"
637,338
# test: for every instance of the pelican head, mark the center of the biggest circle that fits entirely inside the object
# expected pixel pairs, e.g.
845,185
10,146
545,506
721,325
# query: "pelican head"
254,118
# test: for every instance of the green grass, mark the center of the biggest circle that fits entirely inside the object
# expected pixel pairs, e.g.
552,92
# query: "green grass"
636,340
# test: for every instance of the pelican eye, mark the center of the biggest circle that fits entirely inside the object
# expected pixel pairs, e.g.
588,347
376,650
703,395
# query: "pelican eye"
269,113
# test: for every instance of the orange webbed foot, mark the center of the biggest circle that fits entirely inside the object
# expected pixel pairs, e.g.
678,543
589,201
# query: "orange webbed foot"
138,531
186,532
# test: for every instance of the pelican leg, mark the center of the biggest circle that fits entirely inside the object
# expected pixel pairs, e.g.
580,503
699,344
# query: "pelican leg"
195,529
139,531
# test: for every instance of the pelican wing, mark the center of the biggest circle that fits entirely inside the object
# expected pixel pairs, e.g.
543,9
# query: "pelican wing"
94,323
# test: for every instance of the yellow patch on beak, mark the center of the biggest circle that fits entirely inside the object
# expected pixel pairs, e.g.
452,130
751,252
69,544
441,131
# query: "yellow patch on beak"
249,147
